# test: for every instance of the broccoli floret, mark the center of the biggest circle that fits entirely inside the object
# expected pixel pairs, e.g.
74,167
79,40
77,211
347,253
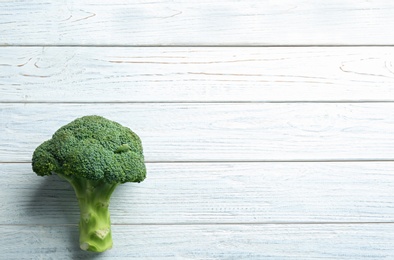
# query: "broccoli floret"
94,155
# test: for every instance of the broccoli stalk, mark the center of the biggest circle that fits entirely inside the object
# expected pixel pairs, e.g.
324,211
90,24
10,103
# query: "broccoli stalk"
94,155
94,224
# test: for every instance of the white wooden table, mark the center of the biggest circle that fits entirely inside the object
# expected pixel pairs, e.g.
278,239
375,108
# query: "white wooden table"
268,126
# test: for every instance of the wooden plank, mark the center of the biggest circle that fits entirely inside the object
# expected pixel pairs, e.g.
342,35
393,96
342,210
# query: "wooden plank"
215,193
195,74
251,22
207,242
218,132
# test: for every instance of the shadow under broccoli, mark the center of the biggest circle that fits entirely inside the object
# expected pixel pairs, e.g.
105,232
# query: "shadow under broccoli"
94,155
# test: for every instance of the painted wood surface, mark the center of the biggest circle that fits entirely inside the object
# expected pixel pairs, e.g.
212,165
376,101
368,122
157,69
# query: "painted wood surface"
346,241
250,22
81,74
219,132
267,126
219,193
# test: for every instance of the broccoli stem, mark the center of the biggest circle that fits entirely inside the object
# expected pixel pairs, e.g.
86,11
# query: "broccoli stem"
94,225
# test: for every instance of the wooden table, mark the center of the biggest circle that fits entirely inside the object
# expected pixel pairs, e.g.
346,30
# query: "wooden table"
268,126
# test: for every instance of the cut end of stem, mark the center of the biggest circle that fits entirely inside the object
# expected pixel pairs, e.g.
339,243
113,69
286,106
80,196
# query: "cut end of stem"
94,248
84,246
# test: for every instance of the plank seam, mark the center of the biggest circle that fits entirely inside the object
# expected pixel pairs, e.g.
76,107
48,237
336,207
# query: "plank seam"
203,102
217,223
249,161
200,45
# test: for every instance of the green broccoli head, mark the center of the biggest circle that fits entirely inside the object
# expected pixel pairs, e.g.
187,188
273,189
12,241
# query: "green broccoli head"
94,155
93,148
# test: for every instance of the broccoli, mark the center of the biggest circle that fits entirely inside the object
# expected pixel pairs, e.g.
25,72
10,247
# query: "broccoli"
94,155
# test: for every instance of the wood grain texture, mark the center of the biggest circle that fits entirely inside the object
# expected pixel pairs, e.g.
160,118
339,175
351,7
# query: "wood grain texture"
220,193
251,22
256,147
207,242
80,74
218,132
